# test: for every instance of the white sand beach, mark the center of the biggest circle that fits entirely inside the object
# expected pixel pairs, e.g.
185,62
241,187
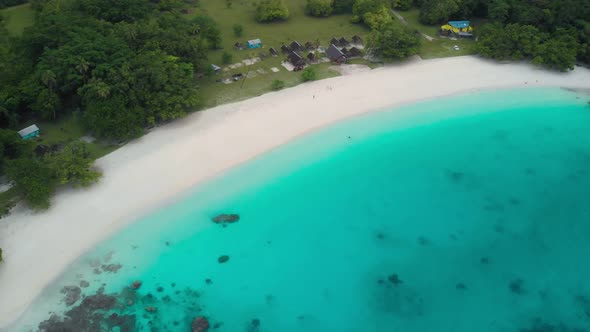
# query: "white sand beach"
150,171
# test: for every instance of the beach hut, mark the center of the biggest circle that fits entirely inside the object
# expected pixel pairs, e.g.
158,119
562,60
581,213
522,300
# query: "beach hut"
296,59
254,43
356,39
29,132
273,52
354,52
335,54
344,42
285,49
457,28
335,42
296,47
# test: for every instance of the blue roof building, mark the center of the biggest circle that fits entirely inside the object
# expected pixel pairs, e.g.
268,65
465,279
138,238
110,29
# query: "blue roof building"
254,43
459,24
29,132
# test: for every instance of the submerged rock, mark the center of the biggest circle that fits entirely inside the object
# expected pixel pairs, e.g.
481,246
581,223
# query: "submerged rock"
516,286
200,324
136,284
113,268
394,279
72,294
84,283
151,309
222,259
226,218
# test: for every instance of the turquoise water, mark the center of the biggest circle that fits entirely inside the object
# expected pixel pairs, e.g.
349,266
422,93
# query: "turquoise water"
466,213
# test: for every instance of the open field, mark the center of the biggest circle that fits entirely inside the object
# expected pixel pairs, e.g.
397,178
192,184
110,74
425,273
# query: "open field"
18,18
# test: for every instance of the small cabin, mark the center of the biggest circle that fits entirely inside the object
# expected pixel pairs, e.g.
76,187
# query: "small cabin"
356,39
273,52
254,43
457,28
335,54
296,59
295,46
285,49
343,42
354,52
335,42
311,57
31,131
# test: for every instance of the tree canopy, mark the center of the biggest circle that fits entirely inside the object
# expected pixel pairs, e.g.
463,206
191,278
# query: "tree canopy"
271,10
393,42
319,7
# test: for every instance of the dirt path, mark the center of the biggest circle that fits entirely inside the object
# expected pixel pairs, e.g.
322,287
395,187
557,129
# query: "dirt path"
404,22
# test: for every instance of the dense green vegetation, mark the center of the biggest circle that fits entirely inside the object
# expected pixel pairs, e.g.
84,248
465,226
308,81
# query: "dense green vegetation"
319,8
393,43
271,10
553,33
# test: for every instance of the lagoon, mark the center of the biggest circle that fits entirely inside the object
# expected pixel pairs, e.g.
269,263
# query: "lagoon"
463,213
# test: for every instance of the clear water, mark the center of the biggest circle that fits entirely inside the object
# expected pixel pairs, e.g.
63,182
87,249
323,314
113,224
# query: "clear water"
480,204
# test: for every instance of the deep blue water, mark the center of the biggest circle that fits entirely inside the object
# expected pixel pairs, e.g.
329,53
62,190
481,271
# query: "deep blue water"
466,213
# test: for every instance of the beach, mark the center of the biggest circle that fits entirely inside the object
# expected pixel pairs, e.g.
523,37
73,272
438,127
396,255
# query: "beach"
151,171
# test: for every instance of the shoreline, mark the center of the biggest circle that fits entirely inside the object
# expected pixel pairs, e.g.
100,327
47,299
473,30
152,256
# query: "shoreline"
153,170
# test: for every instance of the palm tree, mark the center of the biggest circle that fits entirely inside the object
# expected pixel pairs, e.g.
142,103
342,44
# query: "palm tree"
48,79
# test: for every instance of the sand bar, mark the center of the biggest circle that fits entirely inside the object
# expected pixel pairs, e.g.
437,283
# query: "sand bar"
149,171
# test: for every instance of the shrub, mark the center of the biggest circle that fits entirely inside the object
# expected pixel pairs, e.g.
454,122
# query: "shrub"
393,42
320,8
271,10
277,85
402,4
437,11
226,58
238,30
309,74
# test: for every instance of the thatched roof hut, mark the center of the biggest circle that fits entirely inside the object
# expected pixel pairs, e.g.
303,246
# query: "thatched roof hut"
344,42
335,54
335,42
296,59
286,49
354,52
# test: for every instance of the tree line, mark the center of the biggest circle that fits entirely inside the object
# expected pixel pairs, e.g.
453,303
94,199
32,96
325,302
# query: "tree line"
122,65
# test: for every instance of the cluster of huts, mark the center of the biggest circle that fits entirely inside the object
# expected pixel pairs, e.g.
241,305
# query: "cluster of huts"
339,51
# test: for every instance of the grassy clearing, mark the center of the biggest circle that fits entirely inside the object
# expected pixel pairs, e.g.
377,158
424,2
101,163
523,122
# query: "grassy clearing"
440,47
18,18
66,130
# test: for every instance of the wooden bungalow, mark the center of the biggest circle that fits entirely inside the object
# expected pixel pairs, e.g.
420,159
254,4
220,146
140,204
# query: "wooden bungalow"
296,59
356,39
286,49
354,52
296,47
335,54
335,42
344,42
273,52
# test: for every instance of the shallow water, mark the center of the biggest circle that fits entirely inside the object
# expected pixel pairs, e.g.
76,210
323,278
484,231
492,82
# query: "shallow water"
467,213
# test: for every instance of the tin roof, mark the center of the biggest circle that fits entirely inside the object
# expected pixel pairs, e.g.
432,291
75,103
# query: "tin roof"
255,41
459,24
29,130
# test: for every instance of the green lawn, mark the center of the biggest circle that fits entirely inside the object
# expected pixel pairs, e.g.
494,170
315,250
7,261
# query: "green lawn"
66,130
18,18
440,47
